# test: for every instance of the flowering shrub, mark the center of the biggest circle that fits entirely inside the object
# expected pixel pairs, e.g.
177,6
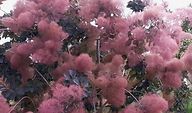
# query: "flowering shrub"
84,56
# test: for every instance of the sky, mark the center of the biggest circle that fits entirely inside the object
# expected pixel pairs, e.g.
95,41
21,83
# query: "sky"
7,6
173,4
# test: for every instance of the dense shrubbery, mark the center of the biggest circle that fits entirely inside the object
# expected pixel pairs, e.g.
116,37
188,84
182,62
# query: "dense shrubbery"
85,56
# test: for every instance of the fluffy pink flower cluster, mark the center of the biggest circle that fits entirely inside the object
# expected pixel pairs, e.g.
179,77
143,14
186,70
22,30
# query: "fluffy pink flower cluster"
150,103
144,32
162,42
132,108
24,16
51,37
42,49
29,12
54,8
51,31
113,89
24,21
119,45
152,13
64,100
111,82
155,64
153,103
113,67
18,56
90,9
169,71
182,14
187,59
4,107
82,63
172,75
170,79
138,33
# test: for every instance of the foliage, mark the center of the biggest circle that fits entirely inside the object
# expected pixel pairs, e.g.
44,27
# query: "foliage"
136,5
188,106
84,56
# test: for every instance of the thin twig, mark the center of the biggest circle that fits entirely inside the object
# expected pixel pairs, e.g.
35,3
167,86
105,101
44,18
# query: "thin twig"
43,77
132,95
3,29
160,82
188,79
98,54
4,11
26,97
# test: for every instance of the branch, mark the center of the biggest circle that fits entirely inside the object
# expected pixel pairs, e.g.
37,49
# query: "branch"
43,77
132,95
26,97
98,53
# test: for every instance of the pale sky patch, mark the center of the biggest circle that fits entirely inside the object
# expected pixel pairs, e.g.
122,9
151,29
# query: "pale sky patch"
175,4
7,6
